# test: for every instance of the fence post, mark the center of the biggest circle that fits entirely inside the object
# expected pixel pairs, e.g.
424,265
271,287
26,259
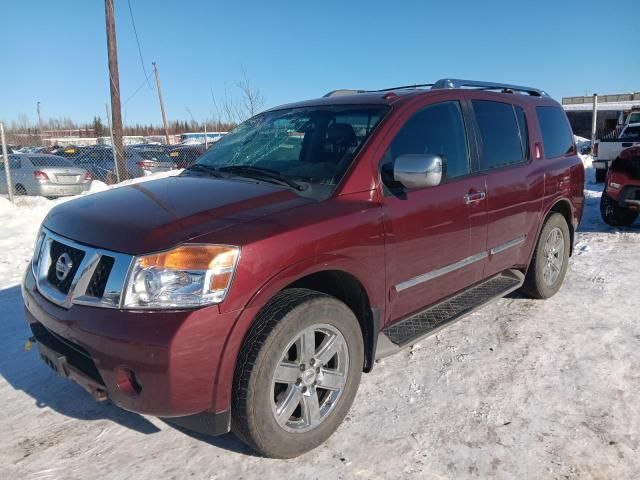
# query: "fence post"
7,170
594,119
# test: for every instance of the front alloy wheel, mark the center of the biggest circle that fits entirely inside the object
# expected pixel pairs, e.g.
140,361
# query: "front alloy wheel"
297,373
309,380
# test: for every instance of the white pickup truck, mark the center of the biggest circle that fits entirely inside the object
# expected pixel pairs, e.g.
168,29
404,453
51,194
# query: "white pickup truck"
606,150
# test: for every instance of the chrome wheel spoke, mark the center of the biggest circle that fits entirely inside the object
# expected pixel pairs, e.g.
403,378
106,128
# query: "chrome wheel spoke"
331,380
311,408
327,350
289,404
287,372
306,346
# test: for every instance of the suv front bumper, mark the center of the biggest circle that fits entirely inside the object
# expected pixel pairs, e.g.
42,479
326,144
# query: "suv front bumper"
174,355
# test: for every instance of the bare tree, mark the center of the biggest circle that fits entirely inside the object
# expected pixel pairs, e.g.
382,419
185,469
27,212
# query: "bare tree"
252,98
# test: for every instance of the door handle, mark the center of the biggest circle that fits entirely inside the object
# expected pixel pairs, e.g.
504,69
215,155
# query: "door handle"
472,197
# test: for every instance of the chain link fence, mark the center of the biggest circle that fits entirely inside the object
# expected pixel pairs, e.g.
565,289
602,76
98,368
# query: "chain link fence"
65,166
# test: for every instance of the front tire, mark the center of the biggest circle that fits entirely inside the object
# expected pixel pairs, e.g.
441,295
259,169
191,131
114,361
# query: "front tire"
615,215
550,259
297,373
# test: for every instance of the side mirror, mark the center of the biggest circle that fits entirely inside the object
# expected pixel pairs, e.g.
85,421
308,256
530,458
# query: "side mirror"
418,170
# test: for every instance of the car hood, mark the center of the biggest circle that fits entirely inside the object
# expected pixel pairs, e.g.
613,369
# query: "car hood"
158,214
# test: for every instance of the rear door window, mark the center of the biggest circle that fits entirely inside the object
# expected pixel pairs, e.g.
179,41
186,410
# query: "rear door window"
502,141
557,138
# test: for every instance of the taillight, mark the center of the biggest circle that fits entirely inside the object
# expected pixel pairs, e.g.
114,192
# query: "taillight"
39,175
595,150
145,164
87,176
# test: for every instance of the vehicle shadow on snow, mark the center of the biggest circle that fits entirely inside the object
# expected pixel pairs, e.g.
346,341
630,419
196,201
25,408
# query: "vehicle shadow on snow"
23,370
228,441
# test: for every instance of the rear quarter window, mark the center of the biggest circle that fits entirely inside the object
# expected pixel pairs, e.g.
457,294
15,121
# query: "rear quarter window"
557,138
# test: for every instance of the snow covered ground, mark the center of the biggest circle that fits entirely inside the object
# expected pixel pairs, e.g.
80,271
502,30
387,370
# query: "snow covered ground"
521,389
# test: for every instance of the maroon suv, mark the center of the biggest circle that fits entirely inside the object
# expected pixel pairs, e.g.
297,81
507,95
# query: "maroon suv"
250,292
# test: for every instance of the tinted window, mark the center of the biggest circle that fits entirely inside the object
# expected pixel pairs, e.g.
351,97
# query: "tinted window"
631,132
51,161
437,129
499,134
557,138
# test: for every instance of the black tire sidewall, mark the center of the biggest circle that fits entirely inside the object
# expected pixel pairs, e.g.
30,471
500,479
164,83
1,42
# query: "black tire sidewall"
267,436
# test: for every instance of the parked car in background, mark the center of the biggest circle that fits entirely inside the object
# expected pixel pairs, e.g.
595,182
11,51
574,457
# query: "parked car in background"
251,291
44,175
606,150
140,161
620,201
68,152
186,155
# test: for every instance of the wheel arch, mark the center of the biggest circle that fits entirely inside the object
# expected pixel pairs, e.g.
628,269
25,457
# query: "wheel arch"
564,208
339,277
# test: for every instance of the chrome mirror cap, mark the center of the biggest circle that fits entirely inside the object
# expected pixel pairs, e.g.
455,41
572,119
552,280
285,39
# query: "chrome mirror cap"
418,170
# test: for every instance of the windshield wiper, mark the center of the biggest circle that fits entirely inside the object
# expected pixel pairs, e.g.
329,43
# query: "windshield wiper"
264,174
199,167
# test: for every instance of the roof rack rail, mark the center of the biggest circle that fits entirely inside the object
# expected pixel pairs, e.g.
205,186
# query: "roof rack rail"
342,91
458,83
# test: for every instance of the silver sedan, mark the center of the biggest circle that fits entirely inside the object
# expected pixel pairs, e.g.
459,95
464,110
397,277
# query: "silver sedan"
44,175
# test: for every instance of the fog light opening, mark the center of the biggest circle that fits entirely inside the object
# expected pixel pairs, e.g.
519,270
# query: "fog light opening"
128,382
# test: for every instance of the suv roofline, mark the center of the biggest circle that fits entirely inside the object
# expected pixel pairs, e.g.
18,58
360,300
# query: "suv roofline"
388,96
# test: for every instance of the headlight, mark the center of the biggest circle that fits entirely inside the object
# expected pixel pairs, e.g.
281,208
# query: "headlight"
187,276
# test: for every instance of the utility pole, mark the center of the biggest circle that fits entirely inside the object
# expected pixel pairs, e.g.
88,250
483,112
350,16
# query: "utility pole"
594,120
40,124
114,82
164,117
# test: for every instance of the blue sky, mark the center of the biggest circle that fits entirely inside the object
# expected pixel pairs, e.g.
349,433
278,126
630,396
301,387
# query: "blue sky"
55,51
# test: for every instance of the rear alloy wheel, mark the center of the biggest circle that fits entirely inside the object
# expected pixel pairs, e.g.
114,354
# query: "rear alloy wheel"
550,259
615,215
297,374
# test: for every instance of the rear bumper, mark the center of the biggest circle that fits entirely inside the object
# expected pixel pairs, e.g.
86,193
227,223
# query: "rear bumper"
601,164
175,356
55,190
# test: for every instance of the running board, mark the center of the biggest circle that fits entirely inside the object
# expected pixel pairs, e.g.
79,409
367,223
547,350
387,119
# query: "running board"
410,330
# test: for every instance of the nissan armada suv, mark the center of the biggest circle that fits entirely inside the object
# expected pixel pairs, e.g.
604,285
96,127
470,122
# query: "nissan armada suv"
249,292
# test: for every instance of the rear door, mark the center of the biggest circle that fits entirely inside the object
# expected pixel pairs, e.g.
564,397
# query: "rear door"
435,236
515,187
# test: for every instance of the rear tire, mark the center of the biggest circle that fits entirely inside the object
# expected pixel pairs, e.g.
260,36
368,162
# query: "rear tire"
601,175
291,392
20,190
550,259
615,215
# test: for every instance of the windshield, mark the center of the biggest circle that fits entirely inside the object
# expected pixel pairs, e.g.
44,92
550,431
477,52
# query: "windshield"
157,155
634,118
314,145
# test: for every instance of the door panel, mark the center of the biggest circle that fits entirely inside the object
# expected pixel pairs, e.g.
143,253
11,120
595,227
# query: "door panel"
435,236
515,187
436,244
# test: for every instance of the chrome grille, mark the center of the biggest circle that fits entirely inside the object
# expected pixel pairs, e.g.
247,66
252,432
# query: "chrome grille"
96,276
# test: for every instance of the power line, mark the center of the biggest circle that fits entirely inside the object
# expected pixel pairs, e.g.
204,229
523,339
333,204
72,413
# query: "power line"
135,31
